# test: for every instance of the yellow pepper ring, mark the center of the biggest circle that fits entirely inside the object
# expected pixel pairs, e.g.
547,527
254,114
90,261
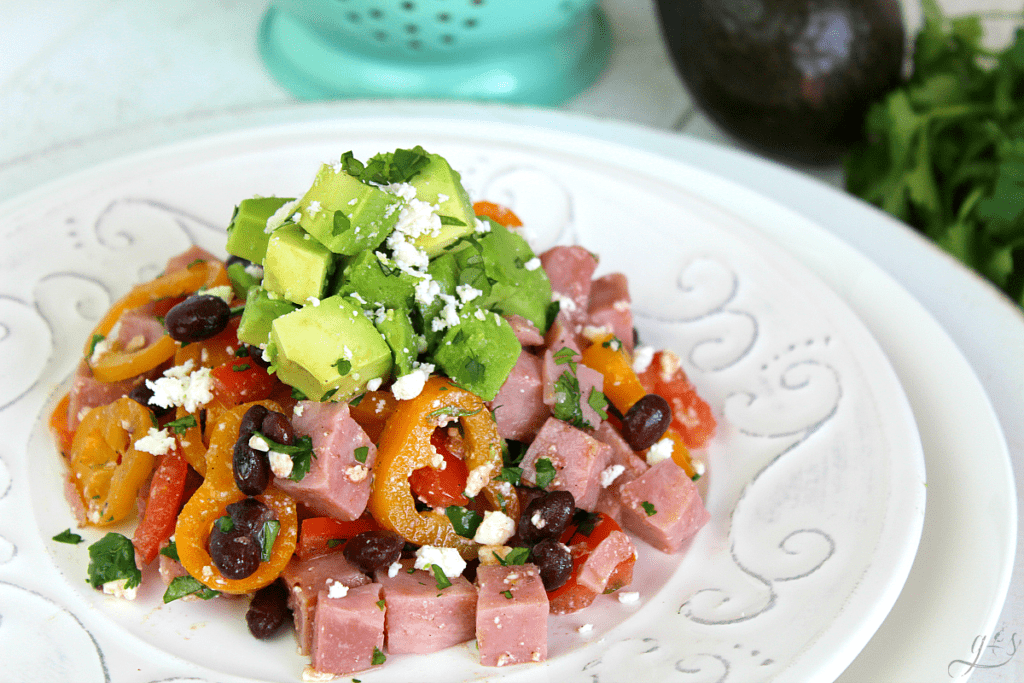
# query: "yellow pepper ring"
405,447
208,503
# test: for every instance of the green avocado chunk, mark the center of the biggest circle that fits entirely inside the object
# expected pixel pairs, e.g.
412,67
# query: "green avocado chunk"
444,271
439,184
479,352
368,278
345,214
329,350
247,232
518,284
297,266
260,311
396,328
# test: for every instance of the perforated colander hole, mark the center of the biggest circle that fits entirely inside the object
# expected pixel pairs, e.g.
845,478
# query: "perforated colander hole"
411,29
476,2
469,23
353,17
380,36
408,6
376,14
567,6
444,17
415,45
447,39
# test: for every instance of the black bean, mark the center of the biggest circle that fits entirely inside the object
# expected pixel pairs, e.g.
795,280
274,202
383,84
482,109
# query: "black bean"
251,468
268,611
252,421
249,515
553,510
256,356
554,562
278,428
645,423
235,553
141,394
198,317
373,550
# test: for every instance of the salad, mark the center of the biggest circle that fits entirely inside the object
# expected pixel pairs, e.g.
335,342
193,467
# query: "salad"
386,420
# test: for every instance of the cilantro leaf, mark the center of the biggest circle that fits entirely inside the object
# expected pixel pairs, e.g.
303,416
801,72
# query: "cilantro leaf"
648,508
439,575
360,454
512,475
67,536
113,558
378,657
182,424
344,366
301,453
452,220
464,521
181,586
546,472
271,528
567,406
599,402
341,223
171,550
515,556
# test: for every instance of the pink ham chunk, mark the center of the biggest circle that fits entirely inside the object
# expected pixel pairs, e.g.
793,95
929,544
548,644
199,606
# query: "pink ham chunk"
511,615
421,618
624,465
518,408
187,257
570,270
577,457
348,632
663,507
610,308
587,379
305,579
526,332
602,561
337,484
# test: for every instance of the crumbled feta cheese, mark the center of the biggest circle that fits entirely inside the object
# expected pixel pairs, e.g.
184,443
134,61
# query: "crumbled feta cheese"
642,357
254,270
467,292
374,384
610,474
426,290
538,520
565,303
394,568
662,450
356,473
477,479
495,529
258,443
280,464
117,589
492,554
595,332
180,386
156,441
481,227
411,384
311,675
104,345
532,264
699,467
448,559
298,410
337,590
585,629
280,216
630,598
313,208
313,301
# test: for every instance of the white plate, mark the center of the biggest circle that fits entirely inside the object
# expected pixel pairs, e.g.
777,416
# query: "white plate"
816,486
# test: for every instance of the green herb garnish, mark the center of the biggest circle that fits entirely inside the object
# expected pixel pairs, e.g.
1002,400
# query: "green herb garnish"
271,528
181,586
464,521
113,558
507,594
360,454
344,366
514,557
225,524
599,402
182,424
301,453
378,657
546,472
648,508
67,536
171,550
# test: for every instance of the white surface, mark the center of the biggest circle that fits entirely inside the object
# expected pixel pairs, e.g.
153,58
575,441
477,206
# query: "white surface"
91,80
816,479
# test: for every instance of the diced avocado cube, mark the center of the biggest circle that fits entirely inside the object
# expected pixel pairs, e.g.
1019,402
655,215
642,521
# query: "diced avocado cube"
397,330
247,233
479,352
329,350
376,283
439,184
260,311
515,289
297,266
345,214
444,272
242,278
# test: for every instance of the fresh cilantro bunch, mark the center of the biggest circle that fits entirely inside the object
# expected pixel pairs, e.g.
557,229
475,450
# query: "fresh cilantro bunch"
945,151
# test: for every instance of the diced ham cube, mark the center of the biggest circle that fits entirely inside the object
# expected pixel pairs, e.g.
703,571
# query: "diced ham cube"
422,618
348,631
577,457
169,569
526,332
624,465
570,270
87,392
588,380
564,333
610,307
337,484
187,257
518,408
663,506
602,561
306,579
511,615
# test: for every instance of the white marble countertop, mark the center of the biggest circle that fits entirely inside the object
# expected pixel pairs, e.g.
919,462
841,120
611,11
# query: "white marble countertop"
86,81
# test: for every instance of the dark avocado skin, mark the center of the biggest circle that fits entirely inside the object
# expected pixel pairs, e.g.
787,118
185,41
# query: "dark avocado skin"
791,79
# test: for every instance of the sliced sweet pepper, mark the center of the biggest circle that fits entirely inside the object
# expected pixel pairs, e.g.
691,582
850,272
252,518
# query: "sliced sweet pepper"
165,497
106,468
405,447
502,215
209,503
621,384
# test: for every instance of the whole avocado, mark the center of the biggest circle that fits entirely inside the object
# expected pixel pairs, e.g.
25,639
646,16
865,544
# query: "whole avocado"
792,79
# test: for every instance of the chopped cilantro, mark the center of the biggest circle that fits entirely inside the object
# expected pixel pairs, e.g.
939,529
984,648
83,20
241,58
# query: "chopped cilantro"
550,314
67,537
567,406
614,343
271,528
241,352
225,523
585,521
564,356
327,396
298,395
361,453
171,550
452,412
513,475
546,472
380,605
442,580
241,367
112,558
181,586
514,557
341,223
334,542
648,508
301,453
599,402
464,521
96,339
195,263
357,400
343,365
507,594
182,424
237,310
399,166
378,657
452,220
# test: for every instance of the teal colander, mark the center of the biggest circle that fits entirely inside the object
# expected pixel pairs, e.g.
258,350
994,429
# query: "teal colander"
524,51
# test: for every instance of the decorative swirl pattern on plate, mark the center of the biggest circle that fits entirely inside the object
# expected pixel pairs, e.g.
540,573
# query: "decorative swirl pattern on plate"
548,210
